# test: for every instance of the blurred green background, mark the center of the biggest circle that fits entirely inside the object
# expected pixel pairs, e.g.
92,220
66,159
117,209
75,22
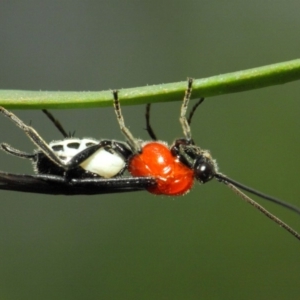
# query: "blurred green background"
208,244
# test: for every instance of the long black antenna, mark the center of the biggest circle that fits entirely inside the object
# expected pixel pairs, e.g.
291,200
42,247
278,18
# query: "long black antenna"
56,123
262,209
227,180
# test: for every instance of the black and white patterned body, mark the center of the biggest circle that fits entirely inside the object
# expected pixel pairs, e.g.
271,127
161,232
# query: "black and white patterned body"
107,161
72,166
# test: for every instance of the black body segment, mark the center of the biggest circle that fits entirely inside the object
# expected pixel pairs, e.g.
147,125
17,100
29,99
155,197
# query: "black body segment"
58,185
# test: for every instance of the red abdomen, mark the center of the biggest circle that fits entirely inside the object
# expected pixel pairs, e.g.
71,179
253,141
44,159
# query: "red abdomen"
156,160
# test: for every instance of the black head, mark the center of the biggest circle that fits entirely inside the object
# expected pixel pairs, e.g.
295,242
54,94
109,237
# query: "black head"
204,168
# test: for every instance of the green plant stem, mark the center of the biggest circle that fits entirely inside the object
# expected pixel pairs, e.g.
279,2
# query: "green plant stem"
217,85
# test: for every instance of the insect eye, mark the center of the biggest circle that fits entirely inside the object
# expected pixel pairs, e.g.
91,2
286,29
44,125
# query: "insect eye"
204,169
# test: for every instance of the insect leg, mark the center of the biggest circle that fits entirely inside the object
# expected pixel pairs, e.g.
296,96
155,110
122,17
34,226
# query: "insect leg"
189,120
134,144
34,137
86,153
13,151
122,149
56,123
184,123
148,125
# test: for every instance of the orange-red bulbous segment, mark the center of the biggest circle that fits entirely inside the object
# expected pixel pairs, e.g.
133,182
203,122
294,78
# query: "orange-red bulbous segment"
156,160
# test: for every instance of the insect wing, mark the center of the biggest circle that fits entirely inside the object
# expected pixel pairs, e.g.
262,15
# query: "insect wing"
57,185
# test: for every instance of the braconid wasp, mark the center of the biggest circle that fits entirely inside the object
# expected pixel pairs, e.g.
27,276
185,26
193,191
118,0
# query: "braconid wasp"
175,168
72,166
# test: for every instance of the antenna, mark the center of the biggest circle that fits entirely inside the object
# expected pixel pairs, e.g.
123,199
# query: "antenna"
262,209
226,180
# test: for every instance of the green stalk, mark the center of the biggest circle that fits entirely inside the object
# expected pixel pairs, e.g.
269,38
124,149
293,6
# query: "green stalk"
207,87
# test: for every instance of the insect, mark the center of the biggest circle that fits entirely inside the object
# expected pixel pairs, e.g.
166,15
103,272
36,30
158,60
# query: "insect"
72,166
175,168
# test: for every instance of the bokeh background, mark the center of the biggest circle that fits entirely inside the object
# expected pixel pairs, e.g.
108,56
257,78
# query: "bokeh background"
208,244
